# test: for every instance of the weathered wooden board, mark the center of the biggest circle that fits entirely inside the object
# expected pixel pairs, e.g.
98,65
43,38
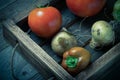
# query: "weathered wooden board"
5,3
20,9
101,63
110,72
3,43
22,69
35,53
4,67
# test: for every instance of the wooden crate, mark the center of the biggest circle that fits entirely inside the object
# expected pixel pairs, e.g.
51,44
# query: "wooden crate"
38,51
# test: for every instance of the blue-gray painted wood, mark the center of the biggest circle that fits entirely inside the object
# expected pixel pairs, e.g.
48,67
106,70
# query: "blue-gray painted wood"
23,70
33,53
3,43
5,3
5,64
21,8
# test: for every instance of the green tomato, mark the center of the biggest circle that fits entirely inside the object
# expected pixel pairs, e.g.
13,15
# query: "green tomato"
102,34
62,42
116,10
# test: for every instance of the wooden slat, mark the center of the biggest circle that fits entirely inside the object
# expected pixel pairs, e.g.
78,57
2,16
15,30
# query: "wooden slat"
35,52
20,8
3,43
5,3
108,57
5,73
109,72
13,42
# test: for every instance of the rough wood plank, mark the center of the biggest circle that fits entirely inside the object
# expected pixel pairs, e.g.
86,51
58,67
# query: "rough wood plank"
22,69
12,39
20,9
108,72
100,63
5,3
82,33
3,43
95,54
35,52
48,49
67,16
5,73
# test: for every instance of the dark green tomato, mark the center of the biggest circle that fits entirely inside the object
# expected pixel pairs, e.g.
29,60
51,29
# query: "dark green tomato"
116,10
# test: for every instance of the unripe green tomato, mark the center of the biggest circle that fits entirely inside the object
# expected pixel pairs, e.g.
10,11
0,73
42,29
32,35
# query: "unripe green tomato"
102,33
62,42
116,10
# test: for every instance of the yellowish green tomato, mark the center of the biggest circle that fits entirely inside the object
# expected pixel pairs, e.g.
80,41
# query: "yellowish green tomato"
62,42
102,34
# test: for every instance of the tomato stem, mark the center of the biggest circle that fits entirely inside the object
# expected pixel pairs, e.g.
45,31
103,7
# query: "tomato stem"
71,61
41,6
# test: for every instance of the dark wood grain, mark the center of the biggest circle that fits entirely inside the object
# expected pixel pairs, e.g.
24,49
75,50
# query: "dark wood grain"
3,43
22,69
20,9
100,63
5,3
33,51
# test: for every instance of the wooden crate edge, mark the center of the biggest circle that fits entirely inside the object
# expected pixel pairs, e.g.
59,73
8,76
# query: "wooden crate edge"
35,51
110,56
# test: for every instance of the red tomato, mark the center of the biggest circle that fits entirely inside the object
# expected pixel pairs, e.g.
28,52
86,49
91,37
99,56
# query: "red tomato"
45,22
85,8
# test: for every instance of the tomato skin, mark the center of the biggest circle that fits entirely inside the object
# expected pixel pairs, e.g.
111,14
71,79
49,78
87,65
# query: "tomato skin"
45,22
85,8
81,54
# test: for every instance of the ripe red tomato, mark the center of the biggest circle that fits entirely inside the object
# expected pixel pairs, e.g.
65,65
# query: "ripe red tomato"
85,8
45,22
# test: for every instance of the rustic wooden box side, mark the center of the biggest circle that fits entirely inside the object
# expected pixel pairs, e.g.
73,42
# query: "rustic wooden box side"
109,57
34,51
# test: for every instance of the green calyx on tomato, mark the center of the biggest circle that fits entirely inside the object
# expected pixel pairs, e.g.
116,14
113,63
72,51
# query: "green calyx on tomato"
71,61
